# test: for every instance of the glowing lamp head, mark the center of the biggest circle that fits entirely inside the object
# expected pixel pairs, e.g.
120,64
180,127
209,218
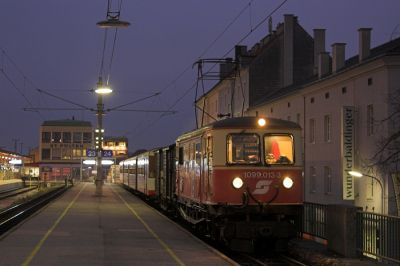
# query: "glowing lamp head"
261,122
237,182
287,182
103,90
355,174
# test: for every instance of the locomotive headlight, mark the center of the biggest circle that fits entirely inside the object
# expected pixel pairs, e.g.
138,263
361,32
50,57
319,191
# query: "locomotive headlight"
237,182
287,182
261,122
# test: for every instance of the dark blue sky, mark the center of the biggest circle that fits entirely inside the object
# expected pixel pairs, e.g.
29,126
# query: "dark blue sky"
57,48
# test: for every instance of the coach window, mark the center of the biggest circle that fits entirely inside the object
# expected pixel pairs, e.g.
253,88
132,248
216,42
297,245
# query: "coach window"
243,149
278,149
198,153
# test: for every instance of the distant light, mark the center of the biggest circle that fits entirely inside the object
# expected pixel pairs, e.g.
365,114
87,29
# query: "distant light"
96,130
15,161
102,130
261,122
355,173
103,90
93,162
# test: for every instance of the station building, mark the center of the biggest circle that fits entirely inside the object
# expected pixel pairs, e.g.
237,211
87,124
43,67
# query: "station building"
348,109
62,145
11,165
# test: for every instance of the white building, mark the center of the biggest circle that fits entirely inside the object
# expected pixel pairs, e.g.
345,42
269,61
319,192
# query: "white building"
342,106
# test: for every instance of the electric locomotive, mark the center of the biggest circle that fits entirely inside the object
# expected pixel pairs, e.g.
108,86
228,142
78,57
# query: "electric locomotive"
240,180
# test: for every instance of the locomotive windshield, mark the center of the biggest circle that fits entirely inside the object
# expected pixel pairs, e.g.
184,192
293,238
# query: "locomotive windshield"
243,149
278,149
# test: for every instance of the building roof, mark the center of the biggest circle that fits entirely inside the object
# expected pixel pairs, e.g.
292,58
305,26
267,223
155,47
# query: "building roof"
67,123
389,48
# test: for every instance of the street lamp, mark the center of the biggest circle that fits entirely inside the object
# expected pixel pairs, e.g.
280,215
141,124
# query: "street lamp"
359,174
100,91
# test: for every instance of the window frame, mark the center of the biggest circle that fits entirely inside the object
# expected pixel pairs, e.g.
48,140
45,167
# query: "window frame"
246,163
293,149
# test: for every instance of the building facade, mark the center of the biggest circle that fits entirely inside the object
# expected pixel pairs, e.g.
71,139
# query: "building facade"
344,107
62,145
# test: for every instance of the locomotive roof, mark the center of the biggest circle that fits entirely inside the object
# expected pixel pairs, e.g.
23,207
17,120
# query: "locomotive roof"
248,122
252,122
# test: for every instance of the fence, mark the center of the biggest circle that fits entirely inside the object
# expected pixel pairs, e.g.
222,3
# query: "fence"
314,219
378,236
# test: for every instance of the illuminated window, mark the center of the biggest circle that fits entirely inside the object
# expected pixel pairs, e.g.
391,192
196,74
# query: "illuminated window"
278,149
77,153
66,154
198,153
243,148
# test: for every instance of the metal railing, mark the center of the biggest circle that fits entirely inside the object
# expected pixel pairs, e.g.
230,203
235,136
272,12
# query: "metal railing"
378,236
314,219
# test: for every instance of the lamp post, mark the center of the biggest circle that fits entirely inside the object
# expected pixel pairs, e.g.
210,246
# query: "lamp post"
359,174
100,91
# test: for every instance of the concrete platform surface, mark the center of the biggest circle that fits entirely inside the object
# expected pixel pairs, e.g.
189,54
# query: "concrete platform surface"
80,228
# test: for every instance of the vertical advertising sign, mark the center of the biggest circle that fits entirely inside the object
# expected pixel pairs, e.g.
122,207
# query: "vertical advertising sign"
348,151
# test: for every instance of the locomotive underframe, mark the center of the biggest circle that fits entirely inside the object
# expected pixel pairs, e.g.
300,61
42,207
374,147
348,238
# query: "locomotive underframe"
240,228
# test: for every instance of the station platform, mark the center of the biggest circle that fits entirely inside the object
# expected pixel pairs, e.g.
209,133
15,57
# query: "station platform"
117,228
8,184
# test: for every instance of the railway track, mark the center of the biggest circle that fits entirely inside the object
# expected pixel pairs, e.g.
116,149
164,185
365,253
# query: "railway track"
13,215
14,192
276,260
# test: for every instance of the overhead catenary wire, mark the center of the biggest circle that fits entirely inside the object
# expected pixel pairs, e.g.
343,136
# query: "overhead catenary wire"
252,30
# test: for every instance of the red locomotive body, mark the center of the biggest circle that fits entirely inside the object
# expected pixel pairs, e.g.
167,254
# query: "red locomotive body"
241,180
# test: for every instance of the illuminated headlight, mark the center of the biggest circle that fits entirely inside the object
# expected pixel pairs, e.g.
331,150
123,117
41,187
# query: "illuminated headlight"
261,122
237,182
287,182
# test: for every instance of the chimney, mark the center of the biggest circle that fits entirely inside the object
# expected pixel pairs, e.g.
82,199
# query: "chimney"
323,64
364,43
319,46
288,40
240,50
338,56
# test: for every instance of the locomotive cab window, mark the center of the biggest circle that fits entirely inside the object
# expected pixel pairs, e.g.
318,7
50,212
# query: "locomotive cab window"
278,149
243,149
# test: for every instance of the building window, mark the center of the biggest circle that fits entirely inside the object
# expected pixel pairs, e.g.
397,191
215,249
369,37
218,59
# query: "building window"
313,179
56,154
327,95
288,104
87,137
370,81
66,137
66,154
46,137
328,180
312,100
77,153
370,120
327,128
344,90
45,154
56,137
312,130
77,136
